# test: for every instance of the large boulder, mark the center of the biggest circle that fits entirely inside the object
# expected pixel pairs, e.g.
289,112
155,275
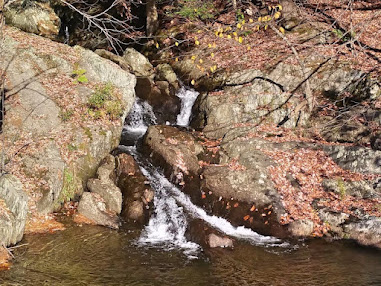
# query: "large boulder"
13,210
366,231
175,150
65,109
161,96
272,96
33,17
139,64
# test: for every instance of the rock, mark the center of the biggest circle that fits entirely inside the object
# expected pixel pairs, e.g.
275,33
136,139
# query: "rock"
200,232
13,210
106,170
139,64
114,58
176,150
246,186
105,186
137,193
376,142
187,71
161,96
111,194
248,96
301,227
334,220
52,113
93,207
164,72
218,241
365,232
34,17
359,189
356,159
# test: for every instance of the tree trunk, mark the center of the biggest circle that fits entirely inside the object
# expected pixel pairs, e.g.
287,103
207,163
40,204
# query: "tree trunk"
152,17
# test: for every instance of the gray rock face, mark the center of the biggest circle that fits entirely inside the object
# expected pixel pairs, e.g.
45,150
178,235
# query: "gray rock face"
93,207
358,189
247,186
302,227
139,63
356,159
253,96
164,72
366,232
43,99
105,187
37,18
13,210
110,193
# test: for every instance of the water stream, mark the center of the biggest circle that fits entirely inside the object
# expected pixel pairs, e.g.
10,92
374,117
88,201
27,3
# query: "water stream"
161,254
167,227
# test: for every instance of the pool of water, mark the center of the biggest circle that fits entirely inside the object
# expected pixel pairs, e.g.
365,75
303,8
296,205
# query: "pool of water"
92,255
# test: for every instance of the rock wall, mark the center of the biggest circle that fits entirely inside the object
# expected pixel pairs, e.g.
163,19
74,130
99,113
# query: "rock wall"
65,107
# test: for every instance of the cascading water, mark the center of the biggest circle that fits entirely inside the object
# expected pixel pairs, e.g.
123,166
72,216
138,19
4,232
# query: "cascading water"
140,117
168,225
187,97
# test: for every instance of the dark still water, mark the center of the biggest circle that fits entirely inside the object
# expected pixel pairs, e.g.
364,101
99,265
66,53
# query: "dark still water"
92,255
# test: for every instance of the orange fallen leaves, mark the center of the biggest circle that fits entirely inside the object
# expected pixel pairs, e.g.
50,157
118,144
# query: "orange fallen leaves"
309,168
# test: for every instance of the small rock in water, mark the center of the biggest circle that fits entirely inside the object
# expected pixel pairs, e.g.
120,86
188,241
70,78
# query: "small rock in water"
301,227
218,241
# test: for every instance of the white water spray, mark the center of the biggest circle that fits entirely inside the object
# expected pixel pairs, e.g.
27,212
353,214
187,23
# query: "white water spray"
168,224
187,97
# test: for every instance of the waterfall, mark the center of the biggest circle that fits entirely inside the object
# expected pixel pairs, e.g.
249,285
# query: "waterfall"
137,121
167,226
187,97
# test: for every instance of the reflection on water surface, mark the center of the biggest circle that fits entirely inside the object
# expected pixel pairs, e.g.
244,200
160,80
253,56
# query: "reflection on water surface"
92,255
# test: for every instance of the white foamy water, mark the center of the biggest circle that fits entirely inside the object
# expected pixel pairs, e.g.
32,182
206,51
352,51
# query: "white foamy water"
187,97
168,224
140,117
160,229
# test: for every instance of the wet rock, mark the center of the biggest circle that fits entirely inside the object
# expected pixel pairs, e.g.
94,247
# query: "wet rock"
139,64
35,17
161,96
218,241
301,227
13,210
365,232
173,149
93,207
137,193
201,233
